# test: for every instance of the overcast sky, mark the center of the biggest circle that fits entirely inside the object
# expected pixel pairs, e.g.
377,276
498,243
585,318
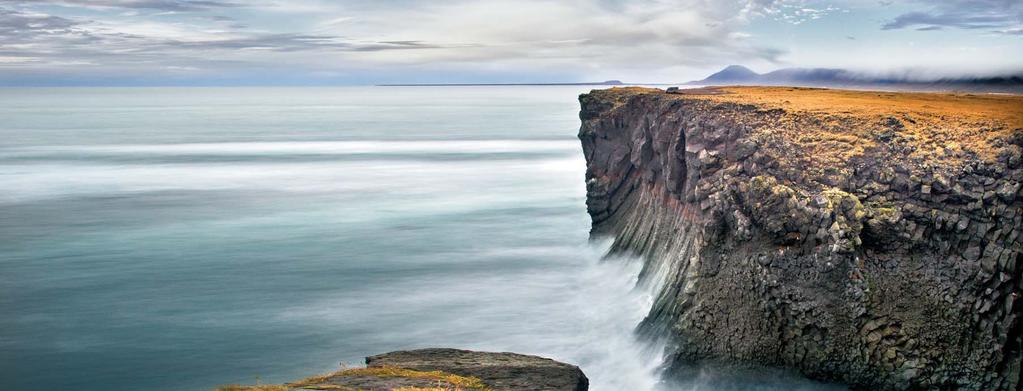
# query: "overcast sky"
128,42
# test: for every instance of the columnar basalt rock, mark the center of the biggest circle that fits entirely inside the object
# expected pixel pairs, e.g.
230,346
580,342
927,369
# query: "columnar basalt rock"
870,240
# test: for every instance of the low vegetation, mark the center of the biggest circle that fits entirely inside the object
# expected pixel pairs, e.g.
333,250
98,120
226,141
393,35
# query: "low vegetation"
930,126
463,382
329,381
834,126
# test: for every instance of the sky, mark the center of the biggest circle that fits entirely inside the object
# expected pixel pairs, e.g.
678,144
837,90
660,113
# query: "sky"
319,42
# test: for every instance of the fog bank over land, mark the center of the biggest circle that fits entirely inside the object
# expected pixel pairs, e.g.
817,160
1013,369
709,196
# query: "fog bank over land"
842,78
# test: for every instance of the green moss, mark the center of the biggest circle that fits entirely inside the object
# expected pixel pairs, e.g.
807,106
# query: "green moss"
882,213
886,214
871,288
839,198
769,185
762,183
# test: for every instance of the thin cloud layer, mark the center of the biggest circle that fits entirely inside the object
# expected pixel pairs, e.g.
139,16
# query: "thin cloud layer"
1000,16
164,5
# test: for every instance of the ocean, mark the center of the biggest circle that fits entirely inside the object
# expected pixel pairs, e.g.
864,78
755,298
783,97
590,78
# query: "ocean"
184,238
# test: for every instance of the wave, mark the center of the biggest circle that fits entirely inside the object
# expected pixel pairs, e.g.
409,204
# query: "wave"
308,147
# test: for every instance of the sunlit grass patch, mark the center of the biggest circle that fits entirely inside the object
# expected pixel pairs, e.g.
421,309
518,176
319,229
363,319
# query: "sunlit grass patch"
466,382
309,383
445,381
239,387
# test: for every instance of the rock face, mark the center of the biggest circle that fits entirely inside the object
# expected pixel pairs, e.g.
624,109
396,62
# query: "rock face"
500,371
868,238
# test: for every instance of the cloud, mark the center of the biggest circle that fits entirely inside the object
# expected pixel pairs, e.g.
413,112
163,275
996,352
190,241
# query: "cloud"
56,35
23,23
995,15
793,12
32,35
660,33
321,36
163,5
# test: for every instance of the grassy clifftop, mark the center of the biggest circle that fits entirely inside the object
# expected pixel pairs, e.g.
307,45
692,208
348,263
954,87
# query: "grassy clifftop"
818,127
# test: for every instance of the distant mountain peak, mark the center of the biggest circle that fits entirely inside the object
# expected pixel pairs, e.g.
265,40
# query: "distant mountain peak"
737,68
733,73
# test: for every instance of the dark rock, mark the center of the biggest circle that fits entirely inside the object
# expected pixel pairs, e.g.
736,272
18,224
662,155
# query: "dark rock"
1007,192
972,253
893,123
500,371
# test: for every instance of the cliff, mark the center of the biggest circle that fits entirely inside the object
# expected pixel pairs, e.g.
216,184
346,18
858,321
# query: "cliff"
442,369
862,237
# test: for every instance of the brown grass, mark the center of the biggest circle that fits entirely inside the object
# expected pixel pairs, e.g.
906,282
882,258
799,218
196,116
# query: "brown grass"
449,381
827,128
934,125
239,387
465,382
977,107
823,134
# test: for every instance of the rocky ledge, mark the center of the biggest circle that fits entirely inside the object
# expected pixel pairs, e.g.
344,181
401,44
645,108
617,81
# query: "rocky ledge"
870,238
443,369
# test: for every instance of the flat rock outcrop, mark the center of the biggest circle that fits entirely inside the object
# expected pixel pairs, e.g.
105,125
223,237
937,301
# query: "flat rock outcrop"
434,369
500,371
870,238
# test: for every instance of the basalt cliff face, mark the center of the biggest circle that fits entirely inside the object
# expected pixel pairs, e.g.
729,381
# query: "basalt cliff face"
867,238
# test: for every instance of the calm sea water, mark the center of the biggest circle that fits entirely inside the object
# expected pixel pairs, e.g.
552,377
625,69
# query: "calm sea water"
181,238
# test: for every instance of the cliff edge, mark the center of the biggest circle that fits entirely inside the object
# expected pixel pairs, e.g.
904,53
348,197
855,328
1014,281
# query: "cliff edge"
871,238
